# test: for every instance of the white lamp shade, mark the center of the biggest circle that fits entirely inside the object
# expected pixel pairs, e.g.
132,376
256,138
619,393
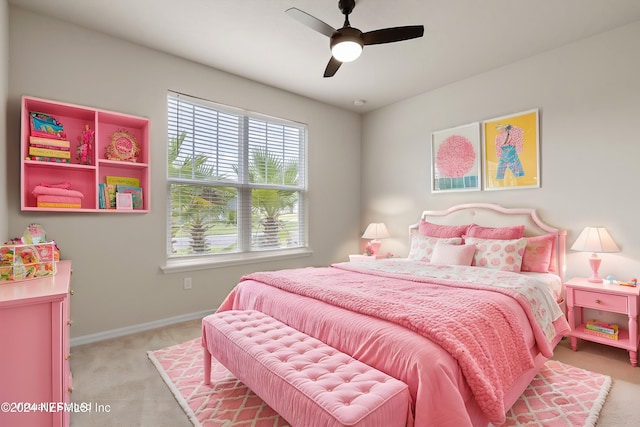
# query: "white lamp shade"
595,239
376,230
346,51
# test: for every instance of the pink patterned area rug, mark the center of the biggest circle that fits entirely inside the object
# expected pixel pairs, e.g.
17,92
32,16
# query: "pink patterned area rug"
559,396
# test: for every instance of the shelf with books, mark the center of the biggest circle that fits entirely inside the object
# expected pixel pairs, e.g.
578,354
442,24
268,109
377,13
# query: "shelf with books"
621,339
69,150
606,298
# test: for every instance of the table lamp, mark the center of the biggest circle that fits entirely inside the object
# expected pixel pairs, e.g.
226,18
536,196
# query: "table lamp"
374,232
594,240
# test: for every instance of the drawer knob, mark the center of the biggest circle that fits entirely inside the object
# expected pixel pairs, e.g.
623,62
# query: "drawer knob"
597,301
68,356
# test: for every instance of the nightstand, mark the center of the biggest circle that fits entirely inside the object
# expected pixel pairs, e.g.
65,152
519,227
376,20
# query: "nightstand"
604,297
362,257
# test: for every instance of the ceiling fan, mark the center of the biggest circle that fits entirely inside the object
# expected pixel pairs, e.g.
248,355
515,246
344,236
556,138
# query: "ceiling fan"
347,42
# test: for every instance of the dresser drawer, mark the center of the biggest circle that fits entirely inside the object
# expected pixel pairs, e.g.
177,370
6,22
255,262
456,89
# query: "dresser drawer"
600,301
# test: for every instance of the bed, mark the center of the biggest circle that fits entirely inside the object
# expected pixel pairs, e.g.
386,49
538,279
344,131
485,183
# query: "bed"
467,339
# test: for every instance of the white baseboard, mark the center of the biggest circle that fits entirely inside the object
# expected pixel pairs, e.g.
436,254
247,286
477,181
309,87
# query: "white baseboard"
127,330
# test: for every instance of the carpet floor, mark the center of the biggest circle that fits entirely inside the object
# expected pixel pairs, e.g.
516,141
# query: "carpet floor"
560,395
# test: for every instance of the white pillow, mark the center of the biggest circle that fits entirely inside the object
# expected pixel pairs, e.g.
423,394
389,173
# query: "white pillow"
503,255
446,253
422,246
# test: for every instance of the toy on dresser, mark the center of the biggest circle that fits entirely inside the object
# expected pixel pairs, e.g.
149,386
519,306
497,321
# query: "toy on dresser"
633,283
28,257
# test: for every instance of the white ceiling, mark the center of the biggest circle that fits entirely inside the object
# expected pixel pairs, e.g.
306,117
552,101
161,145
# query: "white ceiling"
256,39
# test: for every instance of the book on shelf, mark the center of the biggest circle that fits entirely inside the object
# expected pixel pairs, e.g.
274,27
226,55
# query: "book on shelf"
58,205
102,194
136,194
49,152
46,126
122,180
111,196
49,159
602,334
606,328
106,196
49,142
51,147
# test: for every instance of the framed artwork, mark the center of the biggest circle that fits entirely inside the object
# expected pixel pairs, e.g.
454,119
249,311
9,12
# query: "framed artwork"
455,159
511,149
123,146
124,201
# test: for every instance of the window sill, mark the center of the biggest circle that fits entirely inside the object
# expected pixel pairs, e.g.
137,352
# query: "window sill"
209,262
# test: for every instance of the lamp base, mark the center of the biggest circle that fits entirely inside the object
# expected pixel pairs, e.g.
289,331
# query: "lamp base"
375,246
594,262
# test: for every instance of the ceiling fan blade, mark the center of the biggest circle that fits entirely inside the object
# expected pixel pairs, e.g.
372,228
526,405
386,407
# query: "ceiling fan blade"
394,34
311,21
332,67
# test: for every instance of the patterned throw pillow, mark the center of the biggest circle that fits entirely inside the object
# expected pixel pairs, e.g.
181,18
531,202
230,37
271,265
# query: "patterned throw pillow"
537,254
422,246
505,255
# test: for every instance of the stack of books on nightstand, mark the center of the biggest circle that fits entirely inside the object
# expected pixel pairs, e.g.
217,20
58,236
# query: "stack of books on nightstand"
601,329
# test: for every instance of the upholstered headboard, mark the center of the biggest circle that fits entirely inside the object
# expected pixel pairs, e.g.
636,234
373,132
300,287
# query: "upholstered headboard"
492,215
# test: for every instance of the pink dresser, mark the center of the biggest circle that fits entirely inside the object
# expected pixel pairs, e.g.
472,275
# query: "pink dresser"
35,378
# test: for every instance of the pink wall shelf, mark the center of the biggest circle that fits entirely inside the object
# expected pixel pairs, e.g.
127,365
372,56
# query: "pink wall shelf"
84,178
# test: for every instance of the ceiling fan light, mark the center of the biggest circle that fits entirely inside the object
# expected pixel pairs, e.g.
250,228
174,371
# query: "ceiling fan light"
346,50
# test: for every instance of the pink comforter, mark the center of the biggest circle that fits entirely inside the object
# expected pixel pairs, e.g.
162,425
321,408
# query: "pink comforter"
483,331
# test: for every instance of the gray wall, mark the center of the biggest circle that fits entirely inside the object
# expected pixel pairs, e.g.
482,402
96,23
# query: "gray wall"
588,94
117,258
4,84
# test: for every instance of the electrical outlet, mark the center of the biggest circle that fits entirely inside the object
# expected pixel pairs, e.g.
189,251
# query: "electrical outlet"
187,284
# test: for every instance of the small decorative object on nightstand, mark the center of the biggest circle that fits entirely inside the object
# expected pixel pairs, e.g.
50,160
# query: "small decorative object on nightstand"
374,232
595,239
582,293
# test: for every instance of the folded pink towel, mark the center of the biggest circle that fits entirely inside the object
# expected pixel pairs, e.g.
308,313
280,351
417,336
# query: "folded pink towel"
65,185
52,191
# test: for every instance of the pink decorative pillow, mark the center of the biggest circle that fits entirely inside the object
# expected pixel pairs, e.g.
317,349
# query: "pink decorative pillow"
446,253
498,254
500,233
422,246
434,230
537,254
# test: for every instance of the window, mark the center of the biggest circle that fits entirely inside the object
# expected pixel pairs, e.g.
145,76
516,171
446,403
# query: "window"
236,181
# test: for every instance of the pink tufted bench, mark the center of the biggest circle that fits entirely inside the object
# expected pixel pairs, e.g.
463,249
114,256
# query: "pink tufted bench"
306,381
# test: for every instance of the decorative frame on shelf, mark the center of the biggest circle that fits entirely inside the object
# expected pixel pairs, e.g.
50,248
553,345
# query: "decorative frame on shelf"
123,147
455,159
124,201
511,149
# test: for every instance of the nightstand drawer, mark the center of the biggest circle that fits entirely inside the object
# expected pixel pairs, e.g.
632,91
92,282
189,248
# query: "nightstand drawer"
600,301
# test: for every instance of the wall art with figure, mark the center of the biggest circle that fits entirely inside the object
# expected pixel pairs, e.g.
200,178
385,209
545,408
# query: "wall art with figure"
455,155
512,151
